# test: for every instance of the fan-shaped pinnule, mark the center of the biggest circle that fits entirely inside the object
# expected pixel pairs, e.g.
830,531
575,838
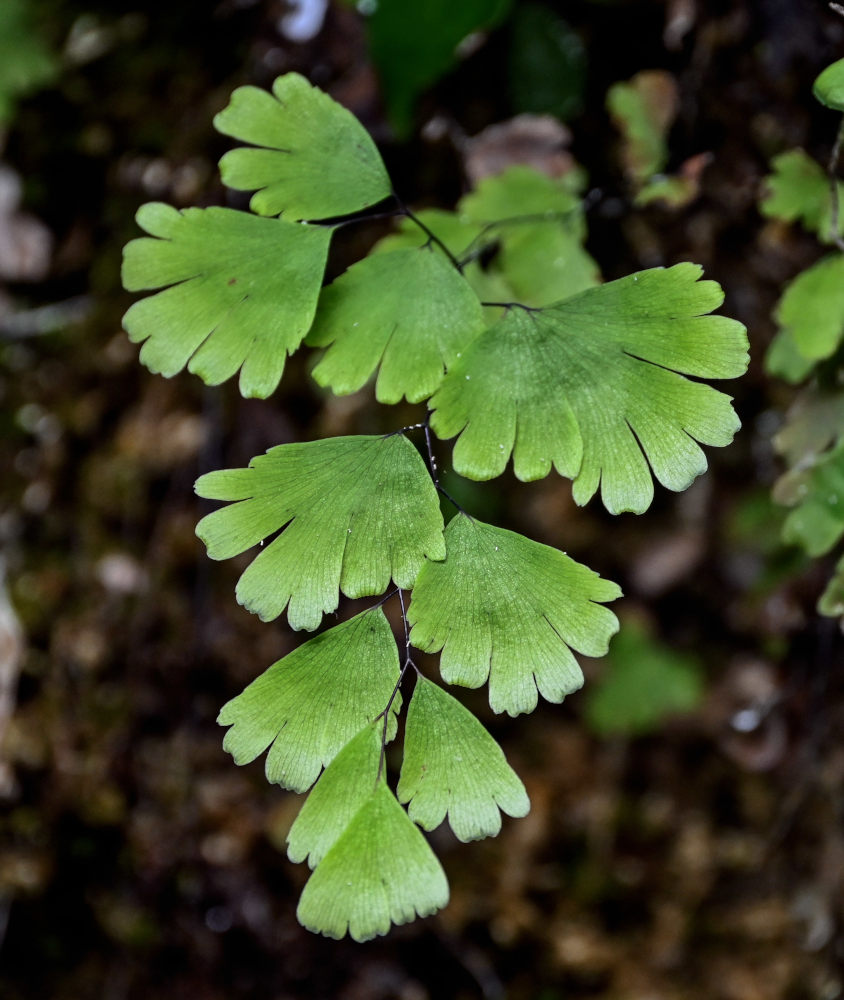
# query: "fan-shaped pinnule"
311,158
380,871
509,610
593,386
239,292
308,705
355,512
452,766
407,313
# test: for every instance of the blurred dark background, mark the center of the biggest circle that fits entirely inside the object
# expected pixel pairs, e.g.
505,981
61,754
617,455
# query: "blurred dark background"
666,856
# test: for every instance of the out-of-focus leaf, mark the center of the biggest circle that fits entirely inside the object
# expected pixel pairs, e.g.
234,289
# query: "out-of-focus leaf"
798,191
817,493
643,109
831,601
811,309
814,422
26,64
784,360
829,86
547,69
645,683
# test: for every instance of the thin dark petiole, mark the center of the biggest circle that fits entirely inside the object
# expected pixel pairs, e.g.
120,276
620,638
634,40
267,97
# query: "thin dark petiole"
513,305
432,464
408,662
432,236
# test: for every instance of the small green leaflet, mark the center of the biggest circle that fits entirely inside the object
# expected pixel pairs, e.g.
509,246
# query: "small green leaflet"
357,511
408,311
592,385
239,292
315,160
645,683
517,192
26,64
829,86
811,309
643,109
817,521
784,360
452,765
798,191
307,706
507,609
342,789
381,871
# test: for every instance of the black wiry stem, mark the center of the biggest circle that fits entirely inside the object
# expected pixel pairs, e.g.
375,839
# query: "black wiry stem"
432,236
432,465
408,662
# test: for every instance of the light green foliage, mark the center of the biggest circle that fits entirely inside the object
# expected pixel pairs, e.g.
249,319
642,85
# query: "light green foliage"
643,109
240,292
308,705
645,683
315,159
26,63
453,766
798,191
506,609
357,510
829,86
811,310
368,319
343,787
817,521
413,44
379,871
592,385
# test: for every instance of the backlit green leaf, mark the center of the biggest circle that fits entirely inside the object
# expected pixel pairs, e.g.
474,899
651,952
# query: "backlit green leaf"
517,192
453,766
307,706
315,160
592,386
381,871
355,511
239,292
798,191
811,309
342,789
369,319
784,360
507,609
829,86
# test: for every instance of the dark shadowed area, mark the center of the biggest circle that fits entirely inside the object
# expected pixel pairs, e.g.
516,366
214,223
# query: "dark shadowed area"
692,856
